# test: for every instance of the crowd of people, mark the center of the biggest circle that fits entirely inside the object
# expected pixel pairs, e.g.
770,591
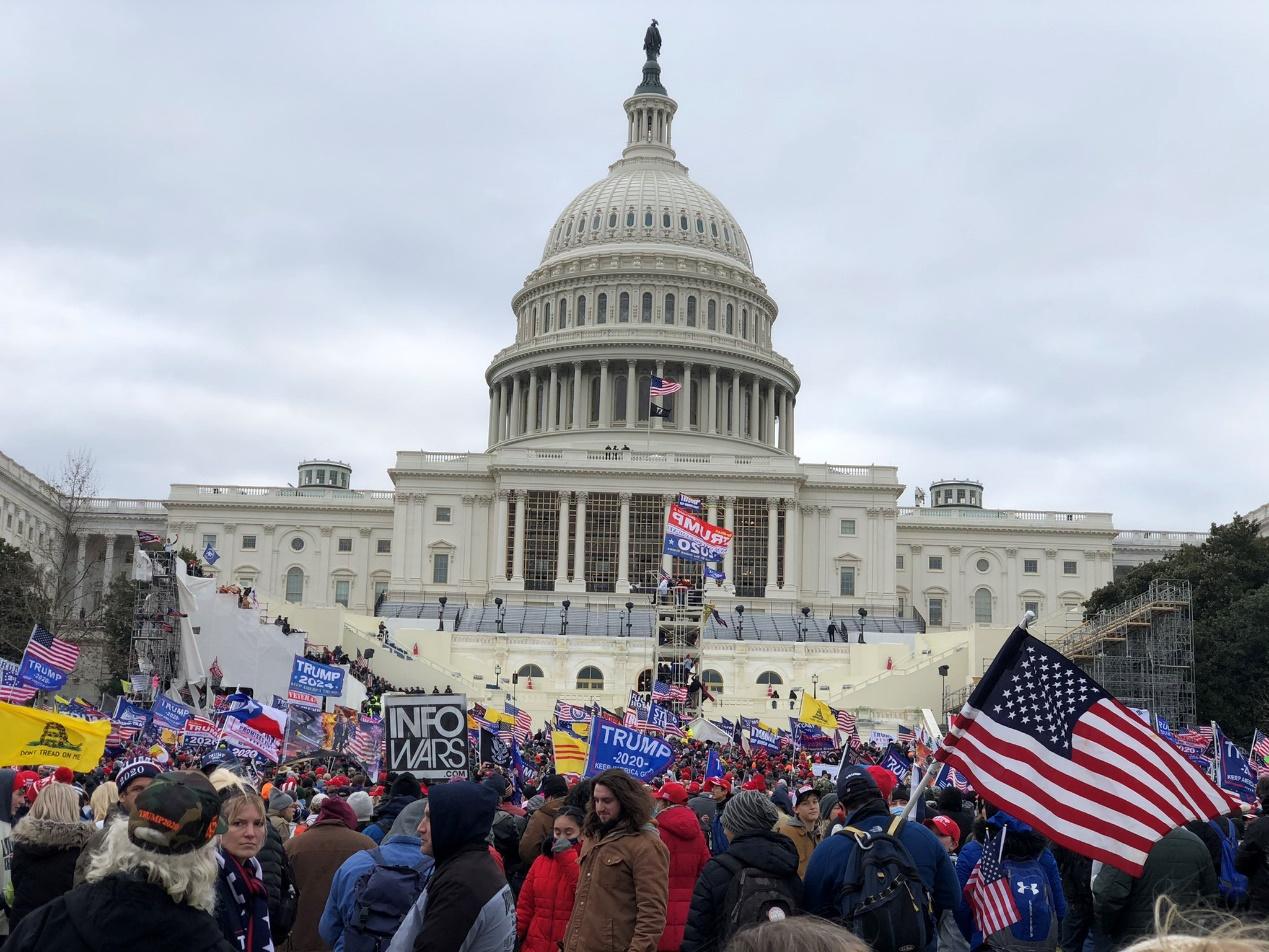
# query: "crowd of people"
780,851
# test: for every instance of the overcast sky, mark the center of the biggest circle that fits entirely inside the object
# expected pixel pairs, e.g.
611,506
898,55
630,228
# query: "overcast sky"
1025,243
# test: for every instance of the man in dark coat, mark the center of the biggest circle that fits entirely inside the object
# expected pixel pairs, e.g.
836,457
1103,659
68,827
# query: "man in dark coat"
316,857
1253,862
555,790
404,791
950,803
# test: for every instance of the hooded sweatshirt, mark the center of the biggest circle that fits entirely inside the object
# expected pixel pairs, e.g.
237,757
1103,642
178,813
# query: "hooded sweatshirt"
467,904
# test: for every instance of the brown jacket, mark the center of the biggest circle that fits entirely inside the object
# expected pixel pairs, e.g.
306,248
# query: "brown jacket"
621,896
315,857
805,840
539,828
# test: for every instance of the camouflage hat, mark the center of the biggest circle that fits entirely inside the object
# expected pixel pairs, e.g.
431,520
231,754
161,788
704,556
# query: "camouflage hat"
177,813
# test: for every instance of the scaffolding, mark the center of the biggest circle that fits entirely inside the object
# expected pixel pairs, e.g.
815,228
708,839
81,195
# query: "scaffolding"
156,617
1142,651
677,659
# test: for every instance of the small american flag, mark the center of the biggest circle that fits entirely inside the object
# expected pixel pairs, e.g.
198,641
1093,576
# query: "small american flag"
906,735
663,387
148,538
524,722
1198,736
215,669
120,735
846,722
1260,753
988,892
668,692
11,689
44,646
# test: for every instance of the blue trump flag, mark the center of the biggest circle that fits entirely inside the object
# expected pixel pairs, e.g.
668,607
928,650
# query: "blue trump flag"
614,746
129,715
896,763
761,737
170,714
713,766
1233,770
313,677
39,674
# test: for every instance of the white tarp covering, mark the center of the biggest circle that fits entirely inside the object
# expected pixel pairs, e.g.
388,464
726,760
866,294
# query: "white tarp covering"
702,729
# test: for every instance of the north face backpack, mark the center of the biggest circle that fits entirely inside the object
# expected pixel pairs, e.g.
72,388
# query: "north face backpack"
754,896
882,899
381,898
1036,927
1233,884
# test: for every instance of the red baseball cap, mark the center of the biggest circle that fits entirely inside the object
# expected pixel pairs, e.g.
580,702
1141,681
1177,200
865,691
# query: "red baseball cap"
885,780
693,787
945,826
712,782
756,782
673,792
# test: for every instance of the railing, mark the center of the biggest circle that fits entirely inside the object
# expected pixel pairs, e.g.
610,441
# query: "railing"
1153,537
187,490
130,505
1161,591
1089,520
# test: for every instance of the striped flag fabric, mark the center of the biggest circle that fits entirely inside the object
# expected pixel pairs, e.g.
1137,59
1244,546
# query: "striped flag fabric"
1260,753
12,690
636,715
663,387
988,891
846,722
1041,739
45,646
668,692
566,713
121,734
665,720
148,538
523,727
906,735
362,747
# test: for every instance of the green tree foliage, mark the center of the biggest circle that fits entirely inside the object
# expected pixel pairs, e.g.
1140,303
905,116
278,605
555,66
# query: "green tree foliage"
116,622
1229,575
23,602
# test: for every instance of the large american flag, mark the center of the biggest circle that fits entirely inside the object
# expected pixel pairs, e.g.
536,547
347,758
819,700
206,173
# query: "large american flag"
989,892
1041,739
663,387
668,692
906,735
524,722
120,734
45,646
846,722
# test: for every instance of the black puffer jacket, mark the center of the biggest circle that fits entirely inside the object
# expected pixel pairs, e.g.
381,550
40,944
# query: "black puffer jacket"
271,857
44,854
770,852
118,914
1253,862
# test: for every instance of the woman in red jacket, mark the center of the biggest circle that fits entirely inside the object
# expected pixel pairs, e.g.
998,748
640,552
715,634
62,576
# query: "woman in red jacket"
546,898
681,833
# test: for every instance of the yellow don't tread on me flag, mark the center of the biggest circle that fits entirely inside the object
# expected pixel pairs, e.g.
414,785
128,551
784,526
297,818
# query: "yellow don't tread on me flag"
817,714
30,736
570,753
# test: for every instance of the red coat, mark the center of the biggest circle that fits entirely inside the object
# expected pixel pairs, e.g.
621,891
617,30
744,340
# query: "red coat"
546,901
681,833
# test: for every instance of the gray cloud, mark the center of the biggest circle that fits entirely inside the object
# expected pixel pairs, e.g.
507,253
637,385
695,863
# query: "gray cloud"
1015,242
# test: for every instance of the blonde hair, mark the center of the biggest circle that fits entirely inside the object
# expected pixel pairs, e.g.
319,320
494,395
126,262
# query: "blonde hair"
189,878
227,783
57,802
235,805
804,933
104,799
1200,931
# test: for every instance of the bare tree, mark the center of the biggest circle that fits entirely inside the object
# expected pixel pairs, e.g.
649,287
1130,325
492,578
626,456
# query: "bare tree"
63,577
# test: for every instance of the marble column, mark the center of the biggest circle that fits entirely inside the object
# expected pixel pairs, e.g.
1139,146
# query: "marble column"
735,428
768,436
773,532
517,551
493,414
659,422
579,542
755,408
553,403
729,561
685,415
605,402
561,547
712,399
578,423
623,547
513,427
531,420
792,406
667,500
500,542
108,570
79,572
632,380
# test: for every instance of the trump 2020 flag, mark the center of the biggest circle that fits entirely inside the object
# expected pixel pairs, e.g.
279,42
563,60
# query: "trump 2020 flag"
1233,770
1044,741
641,755
713,766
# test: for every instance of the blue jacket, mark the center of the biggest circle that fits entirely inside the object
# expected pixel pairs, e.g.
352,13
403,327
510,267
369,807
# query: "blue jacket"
972,852
827,865
341,903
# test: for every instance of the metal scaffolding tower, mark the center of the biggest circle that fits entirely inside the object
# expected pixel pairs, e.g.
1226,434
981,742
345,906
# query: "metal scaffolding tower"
677,657
156,633
1142,651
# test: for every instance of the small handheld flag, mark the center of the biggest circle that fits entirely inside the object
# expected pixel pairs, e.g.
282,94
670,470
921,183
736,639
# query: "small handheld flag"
211,555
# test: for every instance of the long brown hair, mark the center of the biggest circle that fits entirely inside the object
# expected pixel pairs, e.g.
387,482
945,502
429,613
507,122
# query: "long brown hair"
636,803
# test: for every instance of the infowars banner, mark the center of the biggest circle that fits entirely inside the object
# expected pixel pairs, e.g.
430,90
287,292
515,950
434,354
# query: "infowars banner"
642,756
312,677
691,538
427,735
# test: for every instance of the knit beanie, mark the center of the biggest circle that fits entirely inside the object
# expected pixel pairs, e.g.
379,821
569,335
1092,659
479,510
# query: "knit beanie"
749,812
361,805
554,786
405,785
334,808
279,800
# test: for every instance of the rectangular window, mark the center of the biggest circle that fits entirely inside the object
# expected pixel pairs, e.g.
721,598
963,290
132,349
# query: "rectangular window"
1031,607
1070,568
246,581
383,546
898,562
443,514
936,563
1030,566
846,527
381,588
846,581
249,542
345,545
341,592
901,606
209,540
935,613
440,568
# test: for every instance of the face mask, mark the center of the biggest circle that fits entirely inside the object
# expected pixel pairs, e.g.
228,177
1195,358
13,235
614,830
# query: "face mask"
563,843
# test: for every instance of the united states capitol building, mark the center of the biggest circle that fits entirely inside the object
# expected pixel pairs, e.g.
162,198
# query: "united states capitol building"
645,273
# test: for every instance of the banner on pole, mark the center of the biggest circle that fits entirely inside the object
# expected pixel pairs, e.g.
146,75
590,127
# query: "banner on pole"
691,538
313,677
641,755
427,735
170,714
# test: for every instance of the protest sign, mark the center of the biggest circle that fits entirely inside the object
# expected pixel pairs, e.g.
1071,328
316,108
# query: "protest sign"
170,714
313,677
616,746
689,537
427,734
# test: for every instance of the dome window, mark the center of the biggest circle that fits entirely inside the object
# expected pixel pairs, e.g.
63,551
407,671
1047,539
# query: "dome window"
647,218
683,222
612,219
546,316
580,314
711,315
581,224
666,220
744,322
713,229
595,222
730,326
630,218
563,312
568,229
645,312
691,310
601,309
623,308
668,312
700,226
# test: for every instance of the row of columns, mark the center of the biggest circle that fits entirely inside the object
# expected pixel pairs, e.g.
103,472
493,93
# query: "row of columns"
724,515
514,402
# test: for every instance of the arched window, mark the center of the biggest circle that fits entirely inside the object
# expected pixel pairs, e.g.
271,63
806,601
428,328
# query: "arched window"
612,219
645,312
595,222
982,606
700,225
295,585
669,309
630,218
590,678
683,222
581,223
535,319
530,671
579,318
731,320
769,677
619,398
665,220
644,681
711,315
713,228
744,322
647,218
568,229
594,400
601,309
563,313
546,316
691,310
623,308
712,680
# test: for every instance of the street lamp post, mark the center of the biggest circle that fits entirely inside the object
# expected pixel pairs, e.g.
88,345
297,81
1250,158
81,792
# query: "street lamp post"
498,676
806,613
441,617
564,616
815,686
629,617
943,670
863,616
501,612
740,622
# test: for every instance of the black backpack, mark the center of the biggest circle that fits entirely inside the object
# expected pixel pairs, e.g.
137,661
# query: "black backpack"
882,899
381,898
754,896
